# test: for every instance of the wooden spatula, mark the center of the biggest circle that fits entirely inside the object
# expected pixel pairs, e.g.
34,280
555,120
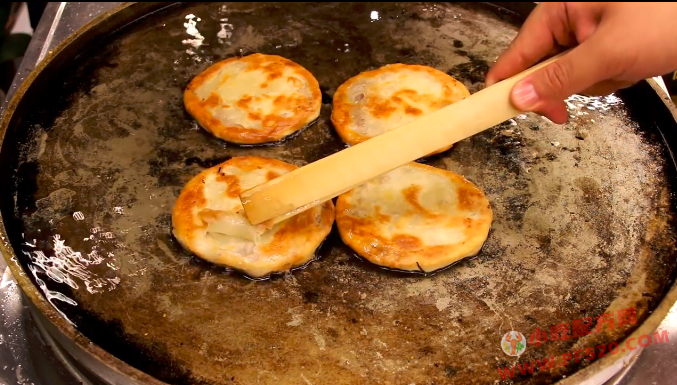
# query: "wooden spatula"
329,177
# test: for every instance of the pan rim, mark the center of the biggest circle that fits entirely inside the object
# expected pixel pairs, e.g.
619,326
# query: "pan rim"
598,372
28,288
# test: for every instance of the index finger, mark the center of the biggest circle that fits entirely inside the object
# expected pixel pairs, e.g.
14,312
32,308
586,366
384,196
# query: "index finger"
534,41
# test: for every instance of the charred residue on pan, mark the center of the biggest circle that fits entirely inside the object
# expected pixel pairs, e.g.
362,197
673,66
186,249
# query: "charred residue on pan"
559,249
205,163
474,71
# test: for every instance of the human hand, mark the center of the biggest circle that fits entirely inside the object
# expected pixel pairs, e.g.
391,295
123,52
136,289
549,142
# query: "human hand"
616,45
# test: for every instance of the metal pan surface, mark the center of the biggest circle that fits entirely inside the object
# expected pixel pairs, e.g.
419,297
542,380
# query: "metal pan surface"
97,146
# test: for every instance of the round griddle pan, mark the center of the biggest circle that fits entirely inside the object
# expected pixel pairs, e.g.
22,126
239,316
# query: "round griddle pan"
97,145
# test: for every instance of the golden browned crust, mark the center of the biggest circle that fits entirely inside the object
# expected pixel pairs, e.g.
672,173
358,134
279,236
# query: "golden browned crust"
272,80
415,218
213,195
410,100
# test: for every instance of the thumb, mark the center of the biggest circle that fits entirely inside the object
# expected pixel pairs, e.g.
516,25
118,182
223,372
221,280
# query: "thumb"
579,69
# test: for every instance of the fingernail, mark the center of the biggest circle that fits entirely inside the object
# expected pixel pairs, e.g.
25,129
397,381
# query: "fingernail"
524,96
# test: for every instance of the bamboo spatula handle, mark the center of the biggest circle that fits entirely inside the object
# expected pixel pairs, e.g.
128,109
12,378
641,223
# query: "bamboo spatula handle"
329,177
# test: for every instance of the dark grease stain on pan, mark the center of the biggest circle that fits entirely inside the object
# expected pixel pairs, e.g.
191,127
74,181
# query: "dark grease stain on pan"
580,226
